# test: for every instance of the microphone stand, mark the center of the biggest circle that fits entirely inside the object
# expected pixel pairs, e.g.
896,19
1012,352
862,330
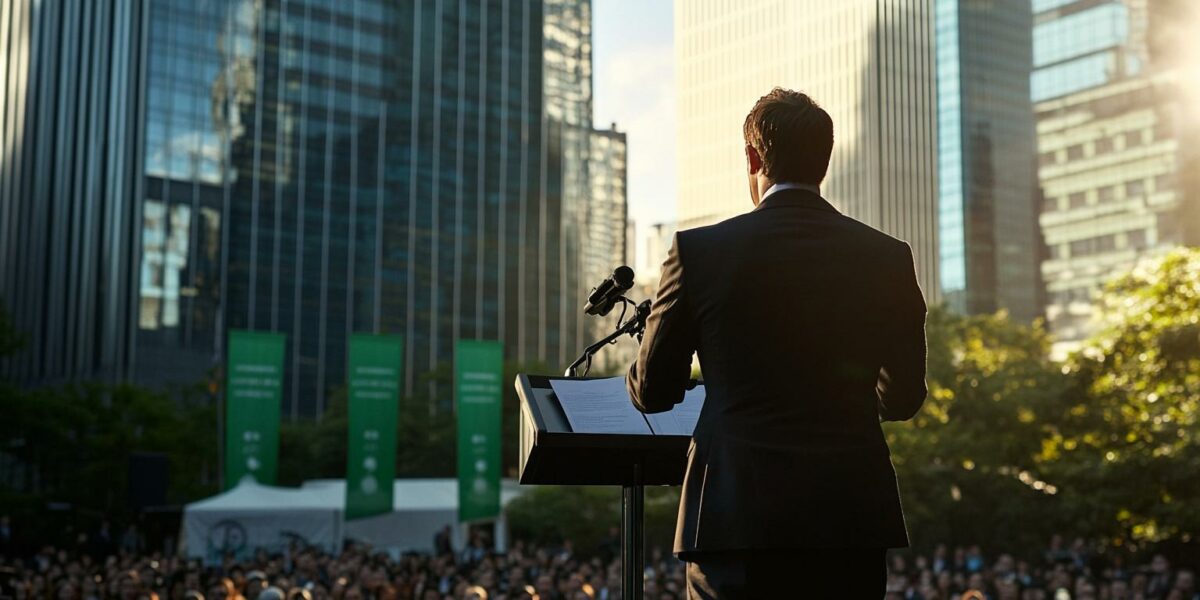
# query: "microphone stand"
633,495
634,326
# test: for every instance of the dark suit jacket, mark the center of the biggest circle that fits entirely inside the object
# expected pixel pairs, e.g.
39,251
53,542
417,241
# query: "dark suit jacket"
810,328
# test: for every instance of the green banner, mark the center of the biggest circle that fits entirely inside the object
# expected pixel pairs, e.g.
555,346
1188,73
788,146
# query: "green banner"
254,386
478,370
374,392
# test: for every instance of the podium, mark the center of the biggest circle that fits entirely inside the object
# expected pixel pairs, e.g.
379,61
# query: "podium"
551,453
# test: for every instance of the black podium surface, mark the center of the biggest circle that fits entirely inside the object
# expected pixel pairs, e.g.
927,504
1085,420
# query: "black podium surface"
551,453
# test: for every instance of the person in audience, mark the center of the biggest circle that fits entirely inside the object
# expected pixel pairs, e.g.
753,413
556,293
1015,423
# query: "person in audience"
568,572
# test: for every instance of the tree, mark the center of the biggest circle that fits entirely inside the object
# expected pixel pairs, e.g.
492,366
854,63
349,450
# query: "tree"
1124,441
966,462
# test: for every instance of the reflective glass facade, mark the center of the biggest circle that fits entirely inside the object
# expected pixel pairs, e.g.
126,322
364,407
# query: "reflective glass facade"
187,188
607,225
869,63
321,168
1078,45
988,234
1116,164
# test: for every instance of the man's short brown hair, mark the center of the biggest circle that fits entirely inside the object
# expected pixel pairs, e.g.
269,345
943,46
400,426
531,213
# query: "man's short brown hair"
792,135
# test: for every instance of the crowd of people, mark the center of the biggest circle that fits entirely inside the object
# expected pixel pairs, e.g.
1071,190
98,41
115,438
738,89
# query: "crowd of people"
528,572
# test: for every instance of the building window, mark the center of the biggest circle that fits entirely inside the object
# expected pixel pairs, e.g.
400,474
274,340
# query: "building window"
1104,145
1078,199
1134,188
1095,245
1107,193
1051,205
1136,239
1163,182
1075,152
1048,158
1133,138
1164,128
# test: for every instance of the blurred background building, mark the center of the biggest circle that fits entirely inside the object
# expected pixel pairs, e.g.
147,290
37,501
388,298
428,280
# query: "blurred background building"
605,242
656,242
309,167
172,169
1115,91
870,64
69,185
988,234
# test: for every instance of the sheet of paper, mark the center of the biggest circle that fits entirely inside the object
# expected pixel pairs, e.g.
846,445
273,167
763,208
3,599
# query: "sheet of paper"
599,406
680,420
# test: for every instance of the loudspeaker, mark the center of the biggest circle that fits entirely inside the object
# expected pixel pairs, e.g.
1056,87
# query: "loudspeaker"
147,480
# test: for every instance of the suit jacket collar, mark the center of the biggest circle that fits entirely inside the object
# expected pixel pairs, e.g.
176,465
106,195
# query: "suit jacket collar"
795,198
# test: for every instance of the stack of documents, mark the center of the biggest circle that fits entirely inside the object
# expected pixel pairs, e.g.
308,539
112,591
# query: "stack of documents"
603,406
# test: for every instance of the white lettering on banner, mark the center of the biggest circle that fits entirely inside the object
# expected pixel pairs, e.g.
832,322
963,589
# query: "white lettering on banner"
382,371
244,368
370,394
480,376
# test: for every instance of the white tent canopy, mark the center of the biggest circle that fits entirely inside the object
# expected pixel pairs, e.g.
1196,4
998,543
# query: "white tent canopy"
420,508
252,516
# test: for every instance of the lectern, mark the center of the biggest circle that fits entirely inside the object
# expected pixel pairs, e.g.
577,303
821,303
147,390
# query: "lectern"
551,453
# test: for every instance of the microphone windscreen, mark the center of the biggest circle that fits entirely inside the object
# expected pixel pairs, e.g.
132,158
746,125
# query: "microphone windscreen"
623,277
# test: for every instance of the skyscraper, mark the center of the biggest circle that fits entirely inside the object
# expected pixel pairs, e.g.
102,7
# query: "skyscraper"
988,233
607,213
606,234
68,176
416,168
869,63
309,167
1115,84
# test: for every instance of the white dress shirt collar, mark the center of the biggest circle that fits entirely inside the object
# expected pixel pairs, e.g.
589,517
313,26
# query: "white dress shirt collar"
783,185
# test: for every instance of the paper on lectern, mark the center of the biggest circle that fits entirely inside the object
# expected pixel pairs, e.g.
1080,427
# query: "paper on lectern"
603,406
680,420
599,406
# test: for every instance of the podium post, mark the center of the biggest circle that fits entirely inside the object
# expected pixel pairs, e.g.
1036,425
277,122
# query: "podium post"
633,539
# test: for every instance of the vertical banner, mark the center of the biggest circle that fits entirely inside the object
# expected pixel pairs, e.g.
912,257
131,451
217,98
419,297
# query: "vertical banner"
478,370
253,389
374,396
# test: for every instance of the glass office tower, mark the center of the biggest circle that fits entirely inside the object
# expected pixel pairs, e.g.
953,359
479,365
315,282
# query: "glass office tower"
68,173
869,63
321,168
1115,88
988,232
606,230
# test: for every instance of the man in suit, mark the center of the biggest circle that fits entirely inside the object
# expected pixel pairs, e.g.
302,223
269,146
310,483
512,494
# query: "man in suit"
810,328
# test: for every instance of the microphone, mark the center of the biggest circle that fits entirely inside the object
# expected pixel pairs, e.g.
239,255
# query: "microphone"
605,295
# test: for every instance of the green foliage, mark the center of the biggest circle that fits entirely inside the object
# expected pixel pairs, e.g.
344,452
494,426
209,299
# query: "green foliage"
551,514
315,449
1124,442
73,444
1012,446
589,516
970,451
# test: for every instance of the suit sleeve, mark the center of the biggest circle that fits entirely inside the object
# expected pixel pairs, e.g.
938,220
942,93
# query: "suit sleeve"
658,378
901,384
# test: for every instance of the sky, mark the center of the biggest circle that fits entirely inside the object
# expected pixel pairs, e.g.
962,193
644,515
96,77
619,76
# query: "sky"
633,56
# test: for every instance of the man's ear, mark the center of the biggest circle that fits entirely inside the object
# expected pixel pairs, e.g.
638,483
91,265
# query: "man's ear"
753,160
